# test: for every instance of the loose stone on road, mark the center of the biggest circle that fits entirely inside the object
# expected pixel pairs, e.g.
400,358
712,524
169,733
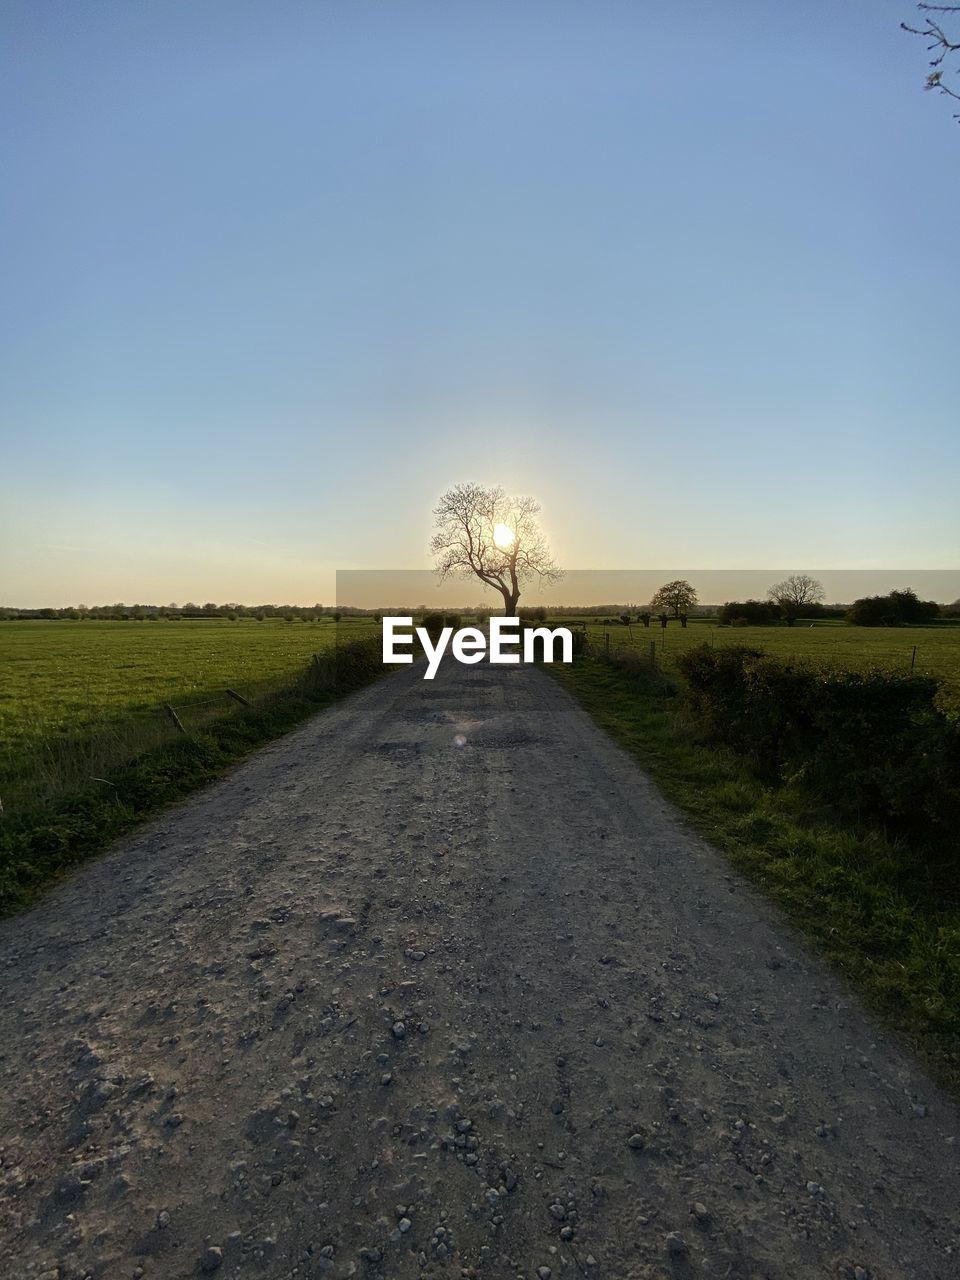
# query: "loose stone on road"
440,985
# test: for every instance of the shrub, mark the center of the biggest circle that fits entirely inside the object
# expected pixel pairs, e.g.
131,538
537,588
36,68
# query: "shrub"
899,608
578,635
433,624
875,743
742,613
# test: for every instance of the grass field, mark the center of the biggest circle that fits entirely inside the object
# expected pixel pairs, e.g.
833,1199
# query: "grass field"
77,698
826,644
63,680
88,751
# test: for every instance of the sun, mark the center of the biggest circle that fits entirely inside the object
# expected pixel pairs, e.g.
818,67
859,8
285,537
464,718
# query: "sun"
504,536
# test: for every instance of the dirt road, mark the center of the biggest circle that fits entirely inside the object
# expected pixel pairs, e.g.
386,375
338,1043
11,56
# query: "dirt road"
440,985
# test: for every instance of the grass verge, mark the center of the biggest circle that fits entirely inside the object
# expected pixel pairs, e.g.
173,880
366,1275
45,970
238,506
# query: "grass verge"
40,844
884,912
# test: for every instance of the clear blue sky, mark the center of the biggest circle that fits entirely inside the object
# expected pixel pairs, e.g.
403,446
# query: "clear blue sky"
276,274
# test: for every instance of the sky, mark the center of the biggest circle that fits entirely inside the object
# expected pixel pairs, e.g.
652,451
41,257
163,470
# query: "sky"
275,275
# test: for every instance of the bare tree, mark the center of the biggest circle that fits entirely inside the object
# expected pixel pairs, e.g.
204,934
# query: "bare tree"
486,534
942,45
677,596
794,594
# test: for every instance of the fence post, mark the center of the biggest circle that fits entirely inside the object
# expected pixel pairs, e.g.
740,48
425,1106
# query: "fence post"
606,645
238,697
913,659
653,653
173,716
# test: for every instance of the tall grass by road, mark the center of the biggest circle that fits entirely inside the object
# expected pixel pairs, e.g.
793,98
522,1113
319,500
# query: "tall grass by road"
80,782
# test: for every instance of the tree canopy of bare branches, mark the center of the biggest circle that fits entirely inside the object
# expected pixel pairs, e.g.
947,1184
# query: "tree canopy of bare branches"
943,45
483,533
793,593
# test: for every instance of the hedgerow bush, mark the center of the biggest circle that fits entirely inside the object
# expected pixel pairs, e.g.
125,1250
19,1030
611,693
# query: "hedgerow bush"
433,624
874,743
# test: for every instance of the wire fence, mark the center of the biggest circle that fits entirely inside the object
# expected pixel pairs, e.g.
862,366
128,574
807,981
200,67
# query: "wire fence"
44,765
854,648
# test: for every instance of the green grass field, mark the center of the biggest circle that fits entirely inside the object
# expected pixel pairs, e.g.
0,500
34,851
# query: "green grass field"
77,698
826,644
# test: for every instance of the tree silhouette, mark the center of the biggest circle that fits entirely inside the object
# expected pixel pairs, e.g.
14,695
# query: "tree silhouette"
678,596
483,533
794,593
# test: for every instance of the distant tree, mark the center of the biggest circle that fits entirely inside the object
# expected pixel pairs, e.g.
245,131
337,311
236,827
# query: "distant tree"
677,597
755,613
909,608
898,609
483,533
943,44
793,593
336,615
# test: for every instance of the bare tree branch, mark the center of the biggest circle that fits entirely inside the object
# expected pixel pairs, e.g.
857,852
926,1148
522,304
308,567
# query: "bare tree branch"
794,593
941,45
469,519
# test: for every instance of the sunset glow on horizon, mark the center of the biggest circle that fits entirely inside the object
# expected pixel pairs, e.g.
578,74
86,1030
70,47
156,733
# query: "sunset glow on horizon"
327,261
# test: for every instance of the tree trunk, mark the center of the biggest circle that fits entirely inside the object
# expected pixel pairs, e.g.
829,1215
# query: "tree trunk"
510,604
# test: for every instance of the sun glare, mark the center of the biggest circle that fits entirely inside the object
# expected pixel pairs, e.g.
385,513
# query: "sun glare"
503,536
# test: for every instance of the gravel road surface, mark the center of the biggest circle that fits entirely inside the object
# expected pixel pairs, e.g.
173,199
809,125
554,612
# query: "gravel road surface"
440,985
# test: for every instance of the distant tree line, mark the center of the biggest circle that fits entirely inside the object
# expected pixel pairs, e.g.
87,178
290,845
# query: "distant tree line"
787,602
768,613
147,612
232,612
898,609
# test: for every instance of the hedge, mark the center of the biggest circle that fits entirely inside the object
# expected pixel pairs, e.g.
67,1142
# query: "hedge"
874,743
